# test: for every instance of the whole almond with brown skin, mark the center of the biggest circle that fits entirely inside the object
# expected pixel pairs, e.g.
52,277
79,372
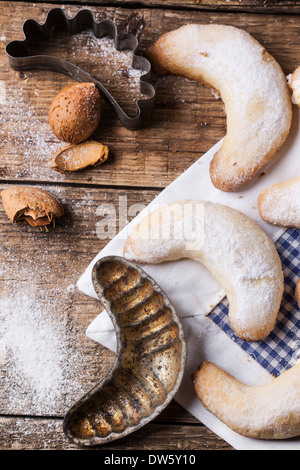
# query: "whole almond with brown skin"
77,157
75,112
25,204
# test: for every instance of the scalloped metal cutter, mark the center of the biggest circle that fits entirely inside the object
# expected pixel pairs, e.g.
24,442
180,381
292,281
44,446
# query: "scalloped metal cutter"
21,60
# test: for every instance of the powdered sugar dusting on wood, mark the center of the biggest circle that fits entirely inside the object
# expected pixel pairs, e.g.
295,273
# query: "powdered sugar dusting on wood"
35,348
39,366
43,365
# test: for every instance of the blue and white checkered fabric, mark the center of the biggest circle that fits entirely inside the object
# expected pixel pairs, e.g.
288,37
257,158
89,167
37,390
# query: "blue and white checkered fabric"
280,349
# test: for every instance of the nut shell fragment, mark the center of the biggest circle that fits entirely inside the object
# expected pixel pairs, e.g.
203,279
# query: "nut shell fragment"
77,157
37,207
75,112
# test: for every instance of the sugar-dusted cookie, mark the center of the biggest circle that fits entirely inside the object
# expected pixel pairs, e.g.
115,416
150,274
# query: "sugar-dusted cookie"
268,411
279,204
294,83
232,247
251,83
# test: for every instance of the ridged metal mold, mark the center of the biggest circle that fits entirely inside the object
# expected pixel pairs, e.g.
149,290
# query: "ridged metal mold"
149,361
21,60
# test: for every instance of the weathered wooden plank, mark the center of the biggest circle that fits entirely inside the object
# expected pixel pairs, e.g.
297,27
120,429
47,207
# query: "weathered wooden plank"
265,6
41,434
185,123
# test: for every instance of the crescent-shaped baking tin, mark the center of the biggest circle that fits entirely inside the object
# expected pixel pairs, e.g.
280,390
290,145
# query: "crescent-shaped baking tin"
21,59
149,361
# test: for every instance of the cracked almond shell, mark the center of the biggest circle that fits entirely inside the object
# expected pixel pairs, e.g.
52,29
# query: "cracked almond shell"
80,156
75,112
24,204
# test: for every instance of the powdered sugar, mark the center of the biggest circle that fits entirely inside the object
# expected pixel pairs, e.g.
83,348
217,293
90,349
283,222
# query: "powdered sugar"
2,92
119,62
34,345
111,67
280,204
32,140
41,367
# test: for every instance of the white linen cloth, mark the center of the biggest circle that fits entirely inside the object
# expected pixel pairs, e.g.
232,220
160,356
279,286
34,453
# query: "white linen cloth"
205,340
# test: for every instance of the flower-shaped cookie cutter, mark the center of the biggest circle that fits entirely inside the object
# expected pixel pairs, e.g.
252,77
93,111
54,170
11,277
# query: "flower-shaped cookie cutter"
21,59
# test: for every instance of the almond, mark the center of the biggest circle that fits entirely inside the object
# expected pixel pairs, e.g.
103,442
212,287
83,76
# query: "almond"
24,204
77,157
75,112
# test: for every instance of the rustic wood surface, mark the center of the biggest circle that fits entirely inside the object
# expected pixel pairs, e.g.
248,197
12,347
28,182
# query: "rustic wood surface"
39,270
186,122
277,6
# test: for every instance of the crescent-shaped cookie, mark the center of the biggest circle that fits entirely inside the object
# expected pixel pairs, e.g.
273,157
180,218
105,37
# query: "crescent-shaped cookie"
294,83
251,84
268,411
279,204
232,246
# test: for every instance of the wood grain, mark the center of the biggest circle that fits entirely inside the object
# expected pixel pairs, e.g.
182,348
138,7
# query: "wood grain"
186,122
276,6
39,270
46,434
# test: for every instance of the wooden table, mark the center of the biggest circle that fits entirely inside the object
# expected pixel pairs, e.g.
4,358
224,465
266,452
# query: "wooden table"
46,360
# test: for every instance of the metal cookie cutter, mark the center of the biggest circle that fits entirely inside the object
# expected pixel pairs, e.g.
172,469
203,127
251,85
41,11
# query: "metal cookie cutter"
20,59
149,362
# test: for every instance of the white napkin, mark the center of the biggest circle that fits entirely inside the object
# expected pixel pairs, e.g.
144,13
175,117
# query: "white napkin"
205,340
